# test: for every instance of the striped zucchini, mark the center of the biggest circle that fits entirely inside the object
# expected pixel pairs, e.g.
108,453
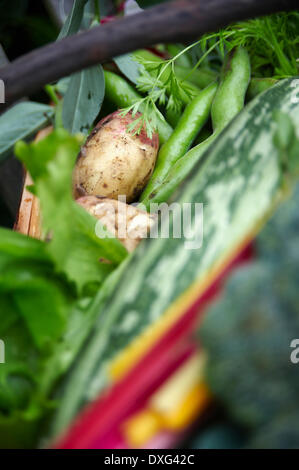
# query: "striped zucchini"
239,183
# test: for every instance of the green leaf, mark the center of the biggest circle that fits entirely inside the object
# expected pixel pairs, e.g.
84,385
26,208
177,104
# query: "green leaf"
74,246
40,300
83,99
62,85
129,67
21,364
36,292
20,122
73,21
17,246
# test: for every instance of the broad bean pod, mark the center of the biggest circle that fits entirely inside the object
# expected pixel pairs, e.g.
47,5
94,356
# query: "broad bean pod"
193,119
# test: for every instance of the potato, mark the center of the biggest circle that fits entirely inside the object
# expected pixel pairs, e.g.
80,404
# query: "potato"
115,162
129,224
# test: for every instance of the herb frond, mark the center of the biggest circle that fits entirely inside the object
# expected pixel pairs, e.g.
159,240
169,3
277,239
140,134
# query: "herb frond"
272,43
163,88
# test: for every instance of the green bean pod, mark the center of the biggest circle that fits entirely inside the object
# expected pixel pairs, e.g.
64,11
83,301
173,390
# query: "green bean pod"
193,119
177,174
122,94
228,102
230,96
258,85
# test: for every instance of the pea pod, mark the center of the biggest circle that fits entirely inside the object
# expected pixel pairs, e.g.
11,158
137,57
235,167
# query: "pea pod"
192,120
228,102
258,85
122,94
230,96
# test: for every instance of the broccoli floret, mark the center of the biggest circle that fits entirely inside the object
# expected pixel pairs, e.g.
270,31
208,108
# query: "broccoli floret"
219,436
281,433
279,241
248,332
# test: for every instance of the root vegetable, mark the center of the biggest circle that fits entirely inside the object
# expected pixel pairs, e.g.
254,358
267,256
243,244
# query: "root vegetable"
115,162
129,224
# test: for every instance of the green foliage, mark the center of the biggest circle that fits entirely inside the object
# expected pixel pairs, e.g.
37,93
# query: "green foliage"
74,246
73,21
83,99
43,325
20,122
46,309
128,67
162,87
272,43
34,307
34,291
248,332
84,91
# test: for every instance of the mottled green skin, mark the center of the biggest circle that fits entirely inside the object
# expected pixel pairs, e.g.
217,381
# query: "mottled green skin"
238,182
248,333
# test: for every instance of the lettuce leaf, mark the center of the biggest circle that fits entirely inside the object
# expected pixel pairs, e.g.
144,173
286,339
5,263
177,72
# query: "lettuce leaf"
47,301
74,246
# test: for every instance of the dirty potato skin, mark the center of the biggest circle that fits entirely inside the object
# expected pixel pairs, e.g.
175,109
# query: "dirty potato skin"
129,224
114,162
